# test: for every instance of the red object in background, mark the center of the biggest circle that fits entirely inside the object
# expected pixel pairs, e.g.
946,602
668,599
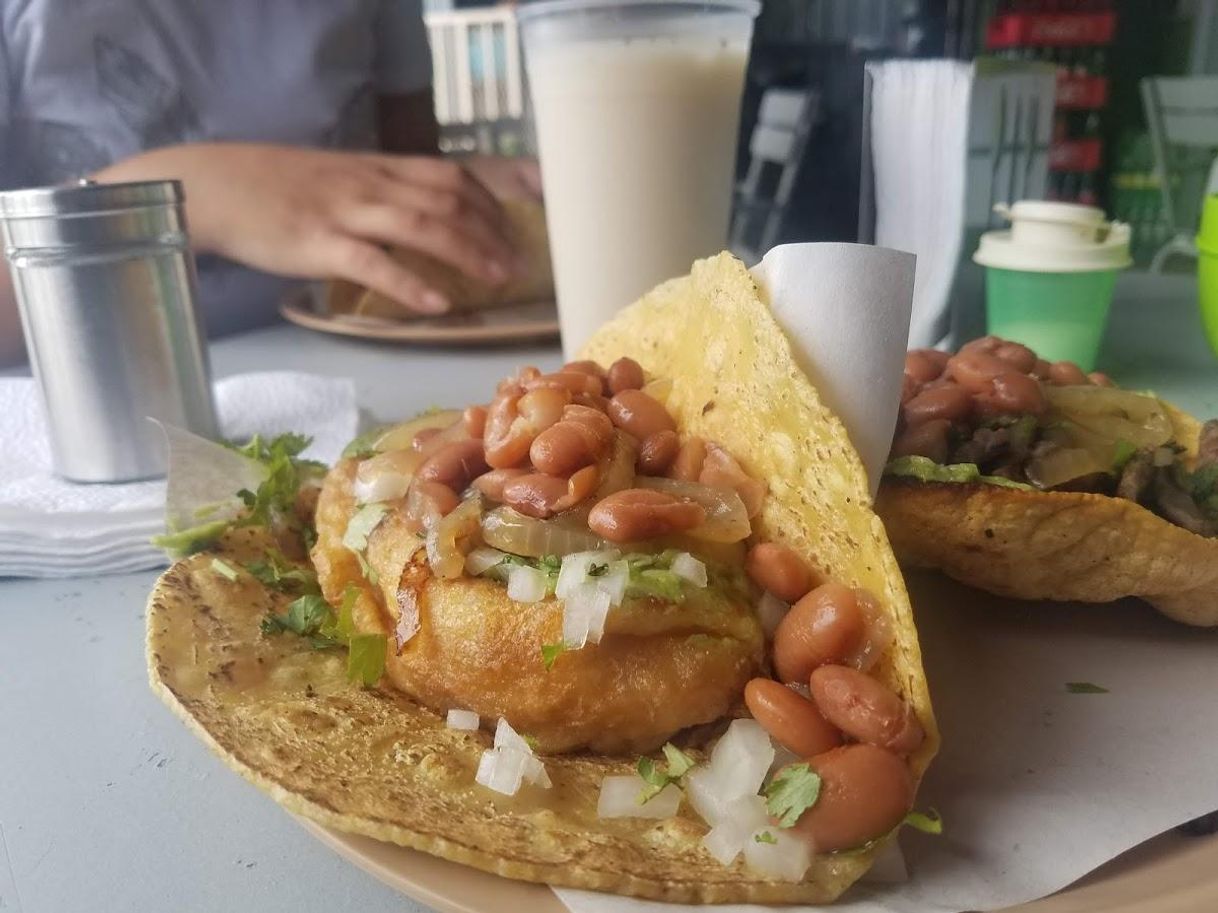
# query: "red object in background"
1076,93
1075,155
1050,29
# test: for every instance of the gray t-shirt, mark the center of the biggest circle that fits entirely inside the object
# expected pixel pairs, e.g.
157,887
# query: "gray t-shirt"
84,83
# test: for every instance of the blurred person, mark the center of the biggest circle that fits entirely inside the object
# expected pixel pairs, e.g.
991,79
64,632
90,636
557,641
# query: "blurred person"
302,130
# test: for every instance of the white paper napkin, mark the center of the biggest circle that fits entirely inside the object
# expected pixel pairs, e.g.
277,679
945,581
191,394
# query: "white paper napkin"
50,527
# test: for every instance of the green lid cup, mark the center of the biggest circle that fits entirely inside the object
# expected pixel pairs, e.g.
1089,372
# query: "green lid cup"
1049,279
1207,269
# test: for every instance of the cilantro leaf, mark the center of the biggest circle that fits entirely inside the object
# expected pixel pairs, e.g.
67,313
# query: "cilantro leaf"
657,777
305,616
366,658
679,763
278,573
1085,688
792,792
551,652
223,568
765,837
927,822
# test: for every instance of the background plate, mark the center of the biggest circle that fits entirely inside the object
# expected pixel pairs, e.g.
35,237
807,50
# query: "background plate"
468,328
1170,874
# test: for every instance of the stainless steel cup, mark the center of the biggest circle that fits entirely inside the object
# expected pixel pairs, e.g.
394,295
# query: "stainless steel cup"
105,282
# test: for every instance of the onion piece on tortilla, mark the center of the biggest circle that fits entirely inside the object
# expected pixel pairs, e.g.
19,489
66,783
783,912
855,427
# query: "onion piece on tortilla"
727,520
619,798
462,719
778,854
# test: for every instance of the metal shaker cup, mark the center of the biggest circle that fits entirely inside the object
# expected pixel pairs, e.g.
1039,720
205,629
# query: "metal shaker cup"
105,282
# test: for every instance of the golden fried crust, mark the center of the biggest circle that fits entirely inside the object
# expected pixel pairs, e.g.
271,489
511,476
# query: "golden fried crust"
1052,545
1057,544
660,667
371,761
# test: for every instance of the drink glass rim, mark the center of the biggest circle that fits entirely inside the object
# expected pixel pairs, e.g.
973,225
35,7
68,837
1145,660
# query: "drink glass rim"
536,9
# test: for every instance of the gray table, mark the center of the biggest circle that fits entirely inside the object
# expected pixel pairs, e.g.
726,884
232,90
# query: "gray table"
107,803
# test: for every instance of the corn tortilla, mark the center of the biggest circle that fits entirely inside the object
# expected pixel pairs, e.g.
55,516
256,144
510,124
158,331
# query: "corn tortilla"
372,762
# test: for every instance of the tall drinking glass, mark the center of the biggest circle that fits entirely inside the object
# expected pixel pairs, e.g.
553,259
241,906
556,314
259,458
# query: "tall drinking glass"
637,105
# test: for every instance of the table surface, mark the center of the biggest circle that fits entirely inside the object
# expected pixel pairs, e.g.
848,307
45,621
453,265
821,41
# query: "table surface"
108,803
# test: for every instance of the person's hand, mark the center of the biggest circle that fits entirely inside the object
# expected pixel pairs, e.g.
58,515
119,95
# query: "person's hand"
322,215
506,178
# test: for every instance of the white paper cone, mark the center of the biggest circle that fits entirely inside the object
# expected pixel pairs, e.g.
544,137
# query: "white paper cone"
845,309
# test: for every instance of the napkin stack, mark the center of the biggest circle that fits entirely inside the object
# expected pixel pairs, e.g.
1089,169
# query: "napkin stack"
50,527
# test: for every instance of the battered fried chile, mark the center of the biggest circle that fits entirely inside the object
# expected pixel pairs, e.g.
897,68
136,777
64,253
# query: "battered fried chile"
997,413
578,486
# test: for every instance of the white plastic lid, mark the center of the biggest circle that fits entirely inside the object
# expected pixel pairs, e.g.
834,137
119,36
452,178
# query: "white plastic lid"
1049,237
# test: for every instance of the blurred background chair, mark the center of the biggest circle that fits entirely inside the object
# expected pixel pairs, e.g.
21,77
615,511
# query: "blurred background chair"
1182,114
776,150
478,79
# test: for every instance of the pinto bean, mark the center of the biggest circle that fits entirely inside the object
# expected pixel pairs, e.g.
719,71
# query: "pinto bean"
475,420
974,370
592,419
987,345
491,483
865,709
1018,356
585,367
928,439
419,441
950,401
909,388
515,419
779,570
563,448
455,465
1012,394
1041,369
825,626
640,513
865,792
790,718
657,452
688,464
636,412
625,374
1067,373
571,381
538,495
925,365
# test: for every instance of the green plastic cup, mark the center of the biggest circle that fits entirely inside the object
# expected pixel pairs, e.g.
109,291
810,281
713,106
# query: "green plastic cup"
1060,316
1049,279
1207,269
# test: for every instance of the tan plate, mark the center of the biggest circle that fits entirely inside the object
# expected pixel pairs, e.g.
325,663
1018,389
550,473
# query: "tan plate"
1169,874
511,323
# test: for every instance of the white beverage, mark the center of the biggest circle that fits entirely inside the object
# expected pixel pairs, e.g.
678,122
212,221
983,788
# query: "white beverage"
637,138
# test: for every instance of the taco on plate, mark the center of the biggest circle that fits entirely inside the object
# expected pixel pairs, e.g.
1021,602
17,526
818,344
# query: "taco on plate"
630,625
1038,481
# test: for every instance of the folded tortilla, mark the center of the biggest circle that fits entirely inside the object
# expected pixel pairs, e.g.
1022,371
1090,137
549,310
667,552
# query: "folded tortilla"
372,762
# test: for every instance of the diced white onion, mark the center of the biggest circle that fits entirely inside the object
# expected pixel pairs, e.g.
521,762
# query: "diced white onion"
575,567
501,771
482,559
689,568
507,737
583,616
741,759
770,611
787,858
738,821
614,581
462,719
619,799
526,584
510,762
